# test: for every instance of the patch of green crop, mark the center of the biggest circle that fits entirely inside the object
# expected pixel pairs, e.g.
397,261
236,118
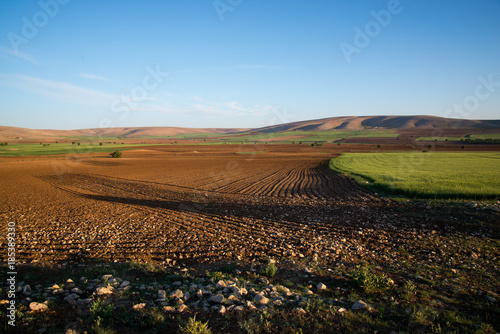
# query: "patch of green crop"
426,175
463,138
15,149
315,136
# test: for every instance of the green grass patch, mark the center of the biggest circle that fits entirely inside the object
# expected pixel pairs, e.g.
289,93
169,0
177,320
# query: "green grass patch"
469,136
426,175
262,138
270,270
311,136
194,326
440,138
192,136
15,150
363,278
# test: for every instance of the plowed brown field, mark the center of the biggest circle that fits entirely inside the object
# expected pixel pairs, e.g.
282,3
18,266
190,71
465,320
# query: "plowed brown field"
195,203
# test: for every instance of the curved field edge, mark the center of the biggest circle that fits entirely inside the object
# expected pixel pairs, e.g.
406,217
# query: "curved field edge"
440,175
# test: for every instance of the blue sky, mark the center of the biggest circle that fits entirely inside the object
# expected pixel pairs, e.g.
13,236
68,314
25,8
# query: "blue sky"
70,64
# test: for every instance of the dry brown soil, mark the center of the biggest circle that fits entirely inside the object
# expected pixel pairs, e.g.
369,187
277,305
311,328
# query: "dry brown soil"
199,204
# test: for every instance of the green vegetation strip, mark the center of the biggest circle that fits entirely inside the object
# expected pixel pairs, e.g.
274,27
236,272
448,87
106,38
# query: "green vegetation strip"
15,150
280,137
312,136
470,136
426,175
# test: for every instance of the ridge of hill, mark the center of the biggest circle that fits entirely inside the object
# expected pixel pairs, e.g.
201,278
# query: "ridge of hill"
385,122
8,132
324,124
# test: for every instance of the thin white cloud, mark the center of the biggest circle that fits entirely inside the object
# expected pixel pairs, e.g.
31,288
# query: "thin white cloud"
203,107
189,105
233,105
18,55
57,90
93,77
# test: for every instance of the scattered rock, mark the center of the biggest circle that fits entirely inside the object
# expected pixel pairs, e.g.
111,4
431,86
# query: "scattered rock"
102,291
219,309
217,299
138,307
69,284
34,306
83,302
249,305
71,299
261,299
124,284
220,285
27,290
187,296
238,308
360,305
176,294
299,311
264,280
169,309
321,286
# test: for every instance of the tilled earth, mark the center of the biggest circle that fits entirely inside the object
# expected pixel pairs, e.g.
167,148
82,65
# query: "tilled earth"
204,204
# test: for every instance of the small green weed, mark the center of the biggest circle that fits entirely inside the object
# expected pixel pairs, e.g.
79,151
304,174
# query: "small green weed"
194,326
363,278
217,276
410,288
314,305
101,309
270,270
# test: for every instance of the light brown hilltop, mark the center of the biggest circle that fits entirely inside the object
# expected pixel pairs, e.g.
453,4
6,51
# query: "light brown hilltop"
331,123
388,122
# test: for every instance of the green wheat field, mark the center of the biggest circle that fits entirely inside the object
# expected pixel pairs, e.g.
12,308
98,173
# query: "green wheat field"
426,174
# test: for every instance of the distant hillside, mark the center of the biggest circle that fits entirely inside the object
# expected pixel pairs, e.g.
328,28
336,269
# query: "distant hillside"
386,122
7,132
332,123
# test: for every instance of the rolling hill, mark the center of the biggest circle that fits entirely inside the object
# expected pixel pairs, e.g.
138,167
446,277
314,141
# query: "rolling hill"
333,123
382,122
13,133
